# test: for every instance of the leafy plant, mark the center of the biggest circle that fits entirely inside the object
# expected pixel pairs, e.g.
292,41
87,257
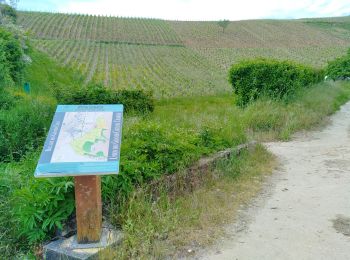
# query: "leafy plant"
11,49
275,79
151,150
34,208
23,128
42,206
339,68
133,100
148,152
8,11
5,77
7,100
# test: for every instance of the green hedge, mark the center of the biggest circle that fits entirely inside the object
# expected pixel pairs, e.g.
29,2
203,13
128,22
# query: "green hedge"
133,100
11,59
339,68
252,79
23,127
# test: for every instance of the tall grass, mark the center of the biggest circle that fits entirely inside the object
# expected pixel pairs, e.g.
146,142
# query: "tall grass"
165,227
268,120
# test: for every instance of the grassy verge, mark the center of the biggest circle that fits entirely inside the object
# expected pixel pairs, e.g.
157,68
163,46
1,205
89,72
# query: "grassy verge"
267,120
164,227
172,228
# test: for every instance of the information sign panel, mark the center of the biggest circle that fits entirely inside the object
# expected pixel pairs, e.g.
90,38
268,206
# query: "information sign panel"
83,140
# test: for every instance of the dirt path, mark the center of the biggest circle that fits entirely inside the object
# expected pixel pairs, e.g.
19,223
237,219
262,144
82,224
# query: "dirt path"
304,211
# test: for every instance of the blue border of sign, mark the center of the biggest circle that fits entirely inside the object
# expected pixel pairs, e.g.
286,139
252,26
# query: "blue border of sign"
111,166
89,108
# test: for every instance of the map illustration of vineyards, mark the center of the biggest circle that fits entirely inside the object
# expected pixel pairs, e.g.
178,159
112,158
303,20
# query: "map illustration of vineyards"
84,137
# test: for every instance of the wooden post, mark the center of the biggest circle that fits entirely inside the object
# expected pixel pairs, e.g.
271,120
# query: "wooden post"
88,208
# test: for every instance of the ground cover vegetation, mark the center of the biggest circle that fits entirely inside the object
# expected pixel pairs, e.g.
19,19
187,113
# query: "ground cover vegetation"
252,79
339,68
160,137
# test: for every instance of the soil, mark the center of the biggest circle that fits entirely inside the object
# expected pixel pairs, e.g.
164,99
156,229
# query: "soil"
303,211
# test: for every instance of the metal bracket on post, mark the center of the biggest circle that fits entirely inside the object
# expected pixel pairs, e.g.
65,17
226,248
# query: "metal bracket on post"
88,208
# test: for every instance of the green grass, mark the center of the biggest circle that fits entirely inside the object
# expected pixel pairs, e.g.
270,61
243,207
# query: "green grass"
44,74
157,229
261,120
268,120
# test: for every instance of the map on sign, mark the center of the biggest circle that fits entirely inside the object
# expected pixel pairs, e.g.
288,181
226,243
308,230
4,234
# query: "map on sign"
84,137
83,140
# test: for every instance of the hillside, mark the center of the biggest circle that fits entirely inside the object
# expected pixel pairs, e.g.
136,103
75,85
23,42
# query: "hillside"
177,58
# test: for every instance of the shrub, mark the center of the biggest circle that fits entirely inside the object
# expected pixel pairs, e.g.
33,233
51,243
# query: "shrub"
23,127
7,100
133,100
35,207
5,77
11,49
42,206
150,150
8,11
339,68
252,79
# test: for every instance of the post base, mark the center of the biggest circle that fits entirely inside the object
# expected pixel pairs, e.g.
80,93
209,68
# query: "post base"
69,248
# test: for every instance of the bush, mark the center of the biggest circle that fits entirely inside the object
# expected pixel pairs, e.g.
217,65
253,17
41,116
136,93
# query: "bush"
11,54
42,206
133,100
339,68
23,127
5,77
150,150
7,100
8,11
252,79
34,208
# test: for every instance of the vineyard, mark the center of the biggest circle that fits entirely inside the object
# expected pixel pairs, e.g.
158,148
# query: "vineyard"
338,27
314,56
256,34
98,28
177,58
168,71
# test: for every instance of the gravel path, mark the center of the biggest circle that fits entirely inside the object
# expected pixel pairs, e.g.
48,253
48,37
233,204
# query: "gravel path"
304,210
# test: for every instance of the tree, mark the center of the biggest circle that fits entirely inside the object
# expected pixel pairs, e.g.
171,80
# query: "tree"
223,24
